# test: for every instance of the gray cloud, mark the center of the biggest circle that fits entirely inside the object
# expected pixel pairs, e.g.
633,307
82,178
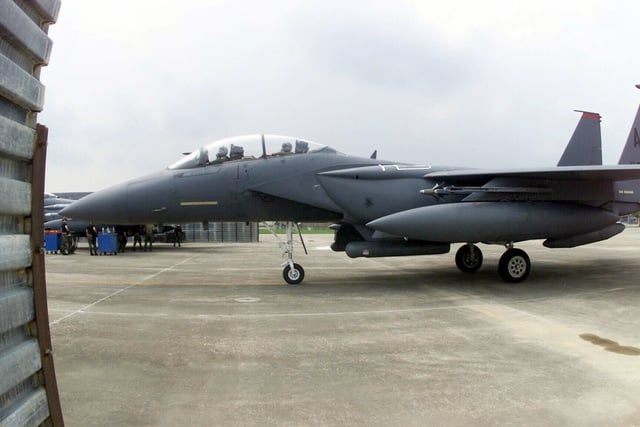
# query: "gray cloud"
132,85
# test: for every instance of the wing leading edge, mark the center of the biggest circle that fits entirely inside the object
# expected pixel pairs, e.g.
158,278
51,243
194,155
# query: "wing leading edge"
567,173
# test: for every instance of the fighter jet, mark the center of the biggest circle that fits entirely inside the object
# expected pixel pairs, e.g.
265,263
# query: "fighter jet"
54,204
382,208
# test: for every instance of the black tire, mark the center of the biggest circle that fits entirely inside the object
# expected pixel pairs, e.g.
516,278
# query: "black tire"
469,262
293,276
514,266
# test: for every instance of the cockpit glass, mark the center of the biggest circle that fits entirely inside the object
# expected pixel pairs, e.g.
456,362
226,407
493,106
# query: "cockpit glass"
247,148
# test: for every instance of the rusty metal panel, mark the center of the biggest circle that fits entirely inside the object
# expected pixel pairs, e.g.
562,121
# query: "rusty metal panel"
28,388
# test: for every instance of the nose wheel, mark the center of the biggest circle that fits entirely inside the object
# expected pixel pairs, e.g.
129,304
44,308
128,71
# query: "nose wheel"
292,273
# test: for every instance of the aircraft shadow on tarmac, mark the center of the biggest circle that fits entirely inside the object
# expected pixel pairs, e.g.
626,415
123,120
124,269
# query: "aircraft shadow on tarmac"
550,279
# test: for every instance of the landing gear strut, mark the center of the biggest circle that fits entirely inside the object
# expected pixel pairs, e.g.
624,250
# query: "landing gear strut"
293,273
514,265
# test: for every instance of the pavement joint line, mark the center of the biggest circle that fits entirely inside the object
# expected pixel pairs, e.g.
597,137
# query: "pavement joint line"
200,316
151,276
247,316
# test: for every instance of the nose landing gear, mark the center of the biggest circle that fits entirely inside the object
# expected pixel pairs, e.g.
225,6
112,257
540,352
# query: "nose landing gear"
293,273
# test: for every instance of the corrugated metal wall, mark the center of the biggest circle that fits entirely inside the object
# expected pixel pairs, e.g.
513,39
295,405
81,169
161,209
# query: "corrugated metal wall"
28,390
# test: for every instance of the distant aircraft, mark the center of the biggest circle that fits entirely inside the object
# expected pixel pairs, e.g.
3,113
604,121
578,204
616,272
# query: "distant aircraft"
383,208
78,228
54,204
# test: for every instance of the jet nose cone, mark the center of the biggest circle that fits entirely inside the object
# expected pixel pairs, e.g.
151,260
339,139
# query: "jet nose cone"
106,206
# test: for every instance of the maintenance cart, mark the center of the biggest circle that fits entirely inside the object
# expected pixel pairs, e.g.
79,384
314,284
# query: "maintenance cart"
107,243
52,242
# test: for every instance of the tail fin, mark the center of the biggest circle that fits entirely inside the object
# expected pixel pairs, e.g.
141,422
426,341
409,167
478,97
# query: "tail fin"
627,193
631,153
585,145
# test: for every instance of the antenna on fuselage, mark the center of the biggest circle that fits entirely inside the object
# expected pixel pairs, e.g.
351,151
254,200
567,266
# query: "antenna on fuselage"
264,148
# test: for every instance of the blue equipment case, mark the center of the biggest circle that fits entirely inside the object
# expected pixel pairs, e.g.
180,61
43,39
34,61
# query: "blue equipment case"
107,243
52,242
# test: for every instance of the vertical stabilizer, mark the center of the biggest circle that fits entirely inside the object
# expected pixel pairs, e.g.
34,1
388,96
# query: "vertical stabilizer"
631,153
585,145
627,193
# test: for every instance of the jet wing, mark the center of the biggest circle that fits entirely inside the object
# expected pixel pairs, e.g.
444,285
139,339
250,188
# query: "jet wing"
568,173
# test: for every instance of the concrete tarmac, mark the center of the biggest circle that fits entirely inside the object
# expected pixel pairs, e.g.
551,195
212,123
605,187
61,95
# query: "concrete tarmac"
209,334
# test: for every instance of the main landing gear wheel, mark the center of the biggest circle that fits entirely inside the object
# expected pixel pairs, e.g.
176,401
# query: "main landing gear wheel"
293,275
514,265
469,258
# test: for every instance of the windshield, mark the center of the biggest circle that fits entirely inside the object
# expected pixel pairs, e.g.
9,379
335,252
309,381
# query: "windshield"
249,147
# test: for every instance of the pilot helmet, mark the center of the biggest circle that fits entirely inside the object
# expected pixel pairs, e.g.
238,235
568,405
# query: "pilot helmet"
222,152
236,151
301,147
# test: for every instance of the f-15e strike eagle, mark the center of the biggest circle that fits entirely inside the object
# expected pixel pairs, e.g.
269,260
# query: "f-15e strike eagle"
382,208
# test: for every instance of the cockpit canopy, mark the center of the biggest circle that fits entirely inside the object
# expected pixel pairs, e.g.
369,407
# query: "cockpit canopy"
249,147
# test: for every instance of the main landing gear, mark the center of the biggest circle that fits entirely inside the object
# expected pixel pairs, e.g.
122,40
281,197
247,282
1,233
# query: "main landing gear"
514,265
293,273
469,258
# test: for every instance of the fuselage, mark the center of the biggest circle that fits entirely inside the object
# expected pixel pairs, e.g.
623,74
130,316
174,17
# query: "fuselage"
253,187
317,183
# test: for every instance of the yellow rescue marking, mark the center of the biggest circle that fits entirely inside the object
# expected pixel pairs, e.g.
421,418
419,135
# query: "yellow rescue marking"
203,203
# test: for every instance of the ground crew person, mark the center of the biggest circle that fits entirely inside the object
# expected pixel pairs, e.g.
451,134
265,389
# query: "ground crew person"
148,237
66,244
122,237
137,238
92,235
178,235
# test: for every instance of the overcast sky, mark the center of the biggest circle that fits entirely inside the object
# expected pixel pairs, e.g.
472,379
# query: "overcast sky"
133,84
